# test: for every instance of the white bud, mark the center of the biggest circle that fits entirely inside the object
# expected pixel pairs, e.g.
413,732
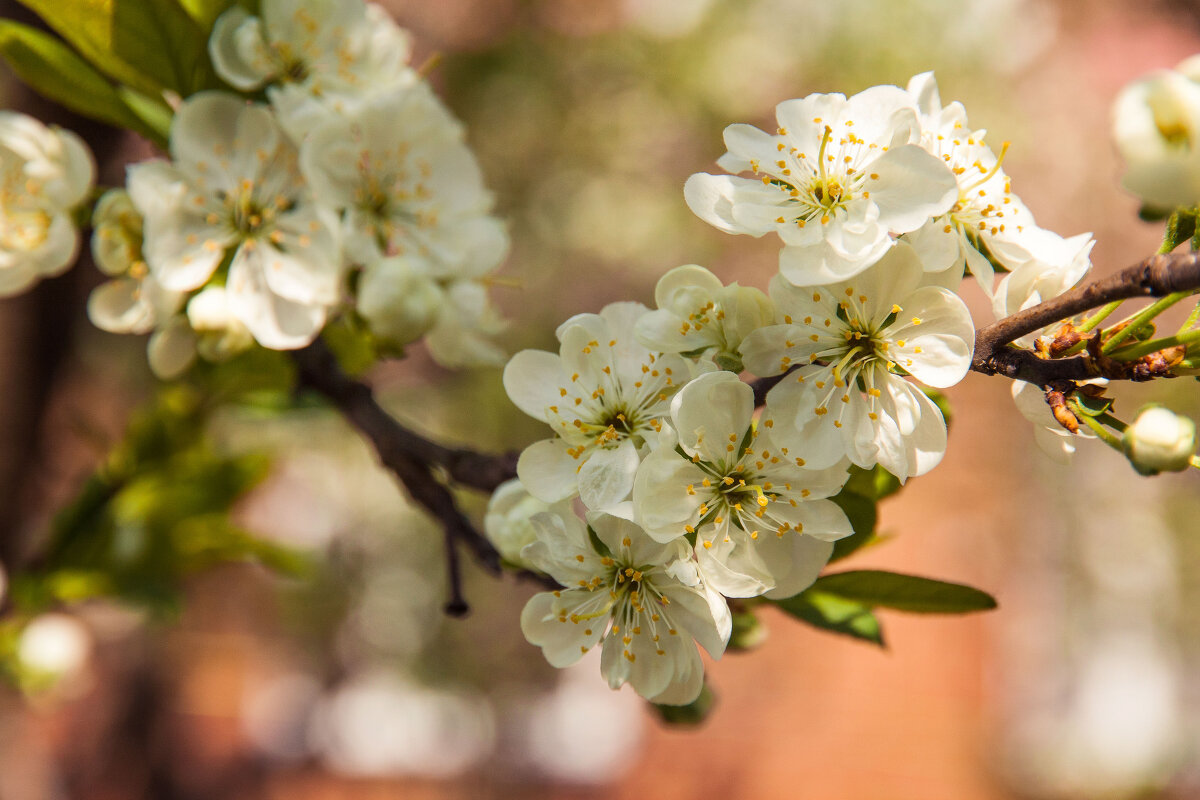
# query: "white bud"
507,522
1156,123
399,301
221,334
117,234
1160,440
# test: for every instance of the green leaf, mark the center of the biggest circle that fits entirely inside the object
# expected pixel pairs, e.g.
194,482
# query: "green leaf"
55,71
835,614
863,517
149,45
904,592
154,113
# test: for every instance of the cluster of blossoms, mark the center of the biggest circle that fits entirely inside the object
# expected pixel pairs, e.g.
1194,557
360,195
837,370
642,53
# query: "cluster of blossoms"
663,490
351,192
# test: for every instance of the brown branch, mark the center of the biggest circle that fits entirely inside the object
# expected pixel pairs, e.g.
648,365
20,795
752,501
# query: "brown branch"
411,458
319,369
1156,276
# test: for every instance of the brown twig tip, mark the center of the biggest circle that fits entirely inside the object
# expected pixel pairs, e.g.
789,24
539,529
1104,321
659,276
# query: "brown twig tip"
1156,276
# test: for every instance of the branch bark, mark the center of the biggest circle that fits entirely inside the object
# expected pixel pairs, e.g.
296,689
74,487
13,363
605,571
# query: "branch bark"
412,459
1156,276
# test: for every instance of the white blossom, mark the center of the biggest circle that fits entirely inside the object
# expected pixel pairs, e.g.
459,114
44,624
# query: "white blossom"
1156,124
398,299
45,172
697,315
604,395
986,215
466,322
854,342
317,57
508,521
407,185
836,180
645,601
133,302
220,335
759,518
232,194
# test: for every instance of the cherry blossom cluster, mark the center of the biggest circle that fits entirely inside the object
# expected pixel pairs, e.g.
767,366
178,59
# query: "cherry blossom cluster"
351,191
662,490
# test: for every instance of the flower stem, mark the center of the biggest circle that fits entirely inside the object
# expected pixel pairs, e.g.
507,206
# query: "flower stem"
1103,433
1154,345
1141,318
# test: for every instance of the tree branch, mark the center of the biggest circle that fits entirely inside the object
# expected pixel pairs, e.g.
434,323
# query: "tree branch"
319,369
1156,276
412,458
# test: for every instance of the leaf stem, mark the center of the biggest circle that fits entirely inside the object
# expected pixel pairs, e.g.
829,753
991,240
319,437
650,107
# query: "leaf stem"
1141,318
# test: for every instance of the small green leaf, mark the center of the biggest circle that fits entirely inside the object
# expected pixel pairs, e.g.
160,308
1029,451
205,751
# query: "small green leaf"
904,592
55,71
835,614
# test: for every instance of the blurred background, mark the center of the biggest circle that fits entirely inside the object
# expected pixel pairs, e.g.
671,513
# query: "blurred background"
347,681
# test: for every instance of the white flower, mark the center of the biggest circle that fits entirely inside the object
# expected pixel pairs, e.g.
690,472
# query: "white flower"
398,299
1156,124
1043,265
466,323
45,172
133,302
644,600
408,185
697,315
759,519
508,521
985,210
1053,439
605,397
317,56
853,340
220,335
839,177
233,191
1160,440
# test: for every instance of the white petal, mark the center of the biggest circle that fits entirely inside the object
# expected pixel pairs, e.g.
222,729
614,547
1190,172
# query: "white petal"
548,471
606,477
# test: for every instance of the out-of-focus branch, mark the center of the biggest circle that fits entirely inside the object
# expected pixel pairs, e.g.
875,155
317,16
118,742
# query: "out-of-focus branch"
412,459
1156,276
320,370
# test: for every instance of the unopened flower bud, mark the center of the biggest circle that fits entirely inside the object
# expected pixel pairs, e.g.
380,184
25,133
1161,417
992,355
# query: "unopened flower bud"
1160,440
398,300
